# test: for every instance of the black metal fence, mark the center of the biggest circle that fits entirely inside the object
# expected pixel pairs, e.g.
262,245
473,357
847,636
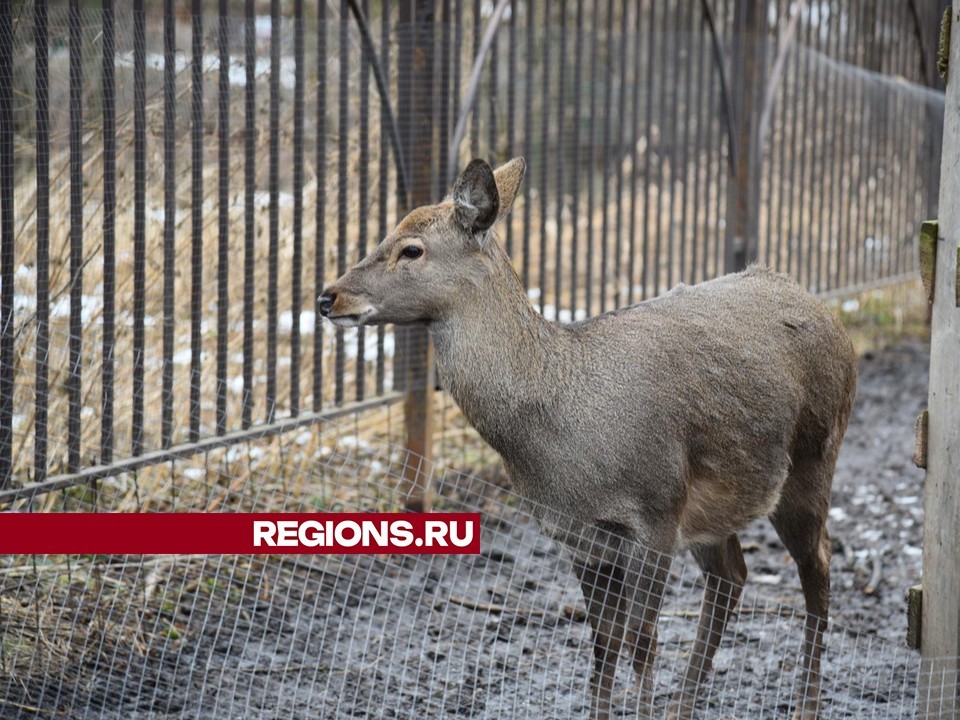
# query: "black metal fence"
170,214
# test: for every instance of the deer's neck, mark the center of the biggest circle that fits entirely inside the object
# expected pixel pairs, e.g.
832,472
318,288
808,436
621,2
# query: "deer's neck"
497,356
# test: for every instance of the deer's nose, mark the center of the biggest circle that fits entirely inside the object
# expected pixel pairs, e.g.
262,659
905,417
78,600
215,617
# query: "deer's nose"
325,303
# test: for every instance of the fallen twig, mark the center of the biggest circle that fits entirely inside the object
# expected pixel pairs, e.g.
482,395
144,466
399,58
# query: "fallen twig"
874,582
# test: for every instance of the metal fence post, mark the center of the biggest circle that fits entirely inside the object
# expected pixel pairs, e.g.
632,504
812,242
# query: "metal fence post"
748,58
940,626
416,118
6,245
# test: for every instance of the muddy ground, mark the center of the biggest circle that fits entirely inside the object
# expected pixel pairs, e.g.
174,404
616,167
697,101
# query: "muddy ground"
502,635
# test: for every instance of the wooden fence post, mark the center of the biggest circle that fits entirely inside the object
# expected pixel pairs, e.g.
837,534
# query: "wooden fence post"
416,119
748,59
940,627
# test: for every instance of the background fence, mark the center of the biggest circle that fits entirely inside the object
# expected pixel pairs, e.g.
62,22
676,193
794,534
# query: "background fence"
172,214
179,183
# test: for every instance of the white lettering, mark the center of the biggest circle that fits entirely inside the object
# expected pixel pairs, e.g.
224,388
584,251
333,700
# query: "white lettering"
263,532
467,537
287,533
435,532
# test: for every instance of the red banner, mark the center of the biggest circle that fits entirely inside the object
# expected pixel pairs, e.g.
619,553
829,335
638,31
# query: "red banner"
239,533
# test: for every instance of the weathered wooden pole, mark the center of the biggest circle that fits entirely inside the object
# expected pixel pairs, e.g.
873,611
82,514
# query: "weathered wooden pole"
940,626
745,103
416,119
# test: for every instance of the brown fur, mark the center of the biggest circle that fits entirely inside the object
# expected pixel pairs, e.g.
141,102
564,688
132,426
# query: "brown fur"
666,425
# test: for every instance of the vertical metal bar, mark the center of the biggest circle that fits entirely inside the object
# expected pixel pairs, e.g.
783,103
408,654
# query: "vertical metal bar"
384,168
364,172
74,377
896,146
296,284
449,86
845,206
527,141
702,81
109,231
891,206
169,218
250,180
882,122
660,182
139,219
273,257
634,126
837,145
196,210
457,52
904,236
673,153
607,164
405,57
592,140
7,250
816,170
718,162
782,224
834,105
223,240
648,152
868,223
343,130
861,108
42,88
544,162
561,150
711,177
575,175
684,33
320,209
793,148
474,113
768,165
492,103
511,104
618,160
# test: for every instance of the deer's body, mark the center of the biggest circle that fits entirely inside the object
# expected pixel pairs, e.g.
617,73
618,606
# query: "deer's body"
690,407
665,425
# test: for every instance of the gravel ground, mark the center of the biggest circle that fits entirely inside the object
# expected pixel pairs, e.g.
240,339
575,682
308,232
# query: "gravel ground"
502,635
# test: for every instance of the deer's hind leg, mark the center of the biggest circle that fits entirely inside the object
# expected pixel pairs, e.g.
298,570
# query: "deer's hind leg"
725,573
801,522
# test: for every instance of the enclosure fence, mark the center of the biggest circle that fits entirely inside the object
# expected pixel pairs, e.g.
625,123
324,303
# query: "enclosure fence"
179,182
170,216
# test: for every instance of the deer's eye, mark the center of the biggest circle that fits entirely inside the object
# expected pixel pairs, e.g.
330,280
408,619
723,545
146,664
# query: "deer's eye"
412,252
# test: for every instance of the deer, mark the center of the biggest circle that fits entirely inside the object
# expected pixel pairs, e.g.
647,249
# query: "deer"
657,428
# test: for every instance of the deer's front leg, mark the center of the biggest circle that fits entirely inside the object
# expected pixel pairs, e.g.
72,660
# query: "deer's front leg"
602,585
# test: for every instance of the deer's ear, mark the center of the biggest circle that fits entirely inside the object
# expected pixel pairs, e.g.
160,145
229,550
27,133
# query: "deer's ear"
476,201
508,177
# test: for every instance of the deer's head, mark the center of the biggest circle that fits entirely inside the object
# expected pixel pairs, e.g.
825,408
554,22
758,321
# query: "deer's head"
436,251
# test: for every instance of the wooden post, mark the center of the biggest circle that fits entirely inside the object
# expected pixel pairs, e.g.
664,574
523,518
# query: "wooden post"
746,100
940,630
416,119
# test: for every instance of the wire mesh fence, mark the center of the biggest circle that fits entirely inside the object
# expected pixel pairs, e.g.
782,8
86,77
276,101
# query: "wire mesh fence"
501,634
175,212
